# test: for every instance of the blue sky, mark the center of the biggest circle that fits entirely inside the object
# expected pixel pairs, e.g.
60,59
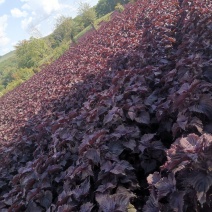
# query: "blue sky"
21,19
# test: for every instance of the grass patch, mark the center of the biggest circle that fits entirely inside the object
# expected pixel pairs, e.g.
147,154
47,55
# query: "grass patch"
97,22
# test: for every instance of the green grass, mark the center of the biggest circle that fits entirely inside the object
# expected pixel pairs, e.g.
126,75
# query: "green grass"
105,18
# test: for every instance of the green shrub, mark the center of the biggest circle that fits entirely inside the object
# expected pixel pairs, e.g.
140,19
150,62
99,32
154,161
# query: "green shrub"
119,7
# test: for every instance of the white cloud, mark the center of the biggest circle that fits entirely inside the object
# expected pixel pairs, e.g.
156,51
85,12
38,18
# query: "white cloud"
2,1
40,6
50,6
26,22
25,7
18,13
68,7
4,40
40,10
45,11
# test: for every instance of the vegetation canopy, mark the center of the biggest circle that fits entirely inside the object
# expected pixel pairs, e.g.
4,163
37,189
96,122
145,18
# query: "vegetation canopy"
122,121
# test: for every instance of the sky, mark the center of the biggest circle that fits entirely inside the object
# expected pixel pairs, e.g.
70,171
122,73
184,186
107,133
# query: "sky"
21,19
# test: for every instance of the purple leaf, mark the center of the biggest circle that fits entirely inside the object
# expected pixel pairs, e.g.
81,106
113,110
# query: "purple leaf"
116,147
152,179
201,182
33,207
115,202
191,143
46,199
204,106
143,118
151,99
165,186
131,144
93,155
152,204
65,208
197,123
87,207
105,187
182,121
82,189
207,73
132,115
177,201
54,169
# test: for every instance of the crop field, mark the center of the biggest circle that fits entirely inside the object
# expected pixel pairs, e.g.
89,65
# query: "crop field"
121,122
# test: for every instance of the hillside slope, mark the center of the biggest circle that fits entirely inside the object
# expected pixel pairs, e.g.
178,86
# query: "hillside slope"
7,56
13,63
121,120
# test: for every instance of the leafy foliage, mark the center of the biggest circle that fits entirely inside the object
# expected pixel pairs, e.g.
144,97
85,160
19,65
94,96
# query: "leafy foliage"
87,14
119,7
106,6
120,121
189,159
30,53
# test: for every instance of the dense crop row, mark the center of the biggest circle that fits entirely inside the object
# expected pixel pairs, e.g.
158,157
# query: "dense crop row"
122,120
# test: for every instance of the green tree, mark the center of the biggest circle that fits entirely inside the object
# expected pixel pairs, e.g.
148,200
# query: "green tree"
87,14
119,7
104,7
62,28
22,53
65,29
79,26
30,52
7,75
